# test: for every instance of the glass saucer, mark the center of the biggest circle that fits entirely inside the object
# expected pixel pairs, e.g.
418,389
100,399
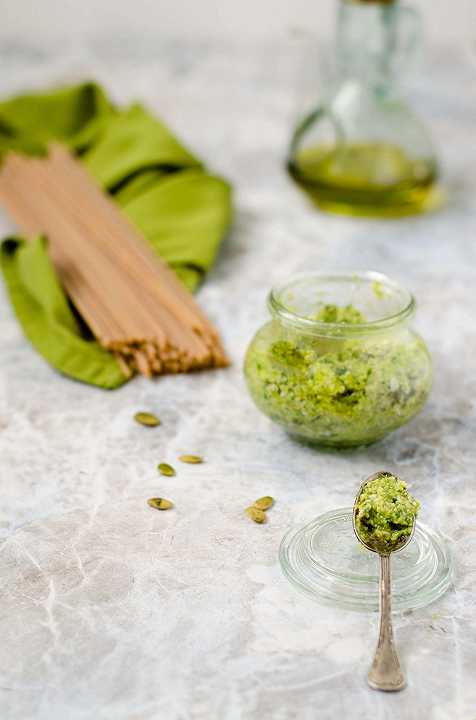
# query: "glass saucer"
324,560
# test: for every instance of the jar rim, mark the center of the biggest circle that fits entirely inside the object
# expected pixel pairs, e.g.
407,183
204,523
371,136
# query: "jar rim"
317,327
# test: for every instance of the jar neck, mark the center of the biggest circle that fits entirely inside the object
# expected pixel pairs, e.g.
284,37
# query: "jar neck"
341,331
346,304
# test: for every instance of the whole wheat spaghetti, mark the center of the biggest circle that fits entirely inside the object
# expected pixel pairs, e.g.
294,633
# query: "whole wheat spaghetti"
130,299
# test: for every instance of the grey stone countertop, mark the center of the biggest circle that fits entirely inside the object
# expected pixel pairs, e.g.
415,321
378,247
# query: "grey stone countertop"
112,611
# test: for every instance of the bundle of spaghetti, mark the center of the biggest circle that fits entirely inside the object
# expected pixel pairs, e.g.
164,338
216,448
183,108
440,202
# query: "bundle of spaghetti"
131,300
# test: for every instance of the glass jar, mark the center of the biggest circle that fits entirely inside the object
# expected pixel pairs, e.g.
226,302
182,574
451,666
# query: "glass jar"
339,383
362,150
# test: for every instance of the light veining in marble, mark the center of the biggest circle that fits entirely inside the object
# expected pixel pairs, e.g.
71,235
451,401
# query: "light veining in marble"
111,611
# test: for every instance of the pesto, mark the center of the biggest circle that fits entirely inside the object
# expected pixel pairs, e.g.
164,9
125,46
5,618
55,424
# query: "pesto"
385,513
339,391
335,314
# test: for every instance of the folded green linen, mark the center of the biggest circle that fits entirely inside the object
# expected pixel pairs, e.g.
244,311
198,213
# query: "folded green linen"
180,208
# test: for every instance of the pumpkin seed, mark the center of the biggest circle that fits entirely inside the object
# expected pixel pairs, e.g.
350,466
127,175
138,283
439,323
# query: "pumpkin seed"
166,469
160,503
264,503
191,459
147,419
259,516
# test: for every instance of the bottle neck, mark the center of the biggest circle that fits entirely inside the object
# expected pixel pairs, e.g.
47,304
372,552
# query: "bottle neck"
367,43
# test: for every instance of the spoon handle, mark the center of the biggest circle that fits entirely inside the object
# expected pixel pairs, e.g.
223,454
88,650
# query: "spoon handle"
385,672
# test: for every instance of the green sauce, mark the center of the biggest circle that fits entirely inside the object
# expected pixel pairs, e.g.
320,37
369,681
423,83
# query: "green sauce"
335,314
385,513
337,391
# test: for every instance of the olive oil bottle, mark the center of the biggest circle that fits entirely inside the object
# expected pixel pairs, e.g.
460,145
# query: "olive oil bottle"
363,151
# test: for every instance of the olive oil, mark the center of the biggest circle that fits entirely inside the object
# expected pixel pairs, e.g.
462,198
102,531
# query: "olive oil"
372,179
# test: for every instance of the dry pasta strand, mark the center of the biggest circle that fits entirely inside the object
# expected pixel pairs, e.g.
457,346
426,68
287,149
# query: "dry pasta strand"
132,301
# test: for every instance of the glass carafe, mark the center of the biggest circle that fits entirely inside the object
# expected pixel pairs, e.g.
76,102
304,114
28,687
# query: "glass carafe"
363,151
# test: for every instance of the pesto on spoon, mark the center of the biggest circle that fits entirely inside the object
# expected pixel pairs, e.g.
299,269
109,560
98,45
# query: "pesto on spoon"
384,521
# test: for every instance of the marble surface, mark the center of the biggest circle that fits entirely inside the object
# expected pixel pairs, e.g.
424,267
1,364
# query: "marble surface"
111,611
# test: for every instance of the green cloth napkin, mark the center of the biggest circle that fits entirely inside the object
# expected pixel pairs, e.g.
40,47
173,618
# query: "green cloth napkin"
180,208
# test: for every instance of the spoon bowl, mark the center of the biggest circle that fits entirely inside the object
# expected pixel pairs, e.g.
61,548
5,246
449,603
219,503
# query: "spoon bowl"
379,548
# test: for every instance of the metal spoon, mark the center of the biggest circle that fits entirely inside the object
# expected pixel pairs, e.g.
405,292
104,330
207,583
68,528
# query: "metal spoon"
385,672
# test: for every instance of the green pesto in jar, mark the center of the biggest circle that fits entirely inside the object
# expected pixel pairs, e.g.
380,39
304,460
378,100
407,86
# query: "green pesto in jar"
385,513
340,391
335,314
